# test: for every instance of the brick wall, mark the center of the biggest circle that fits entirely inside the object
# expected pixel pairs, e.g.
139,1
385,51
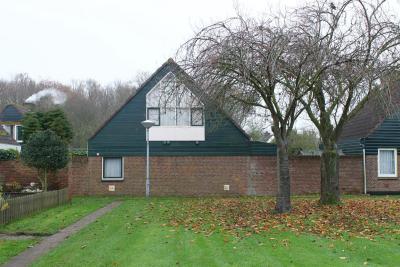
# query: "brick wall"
15,171
377,184
190,176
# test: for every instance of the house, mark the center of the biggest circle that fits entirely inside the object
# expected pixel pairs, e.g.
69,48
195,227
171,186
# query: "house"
10,126
374,134
195,148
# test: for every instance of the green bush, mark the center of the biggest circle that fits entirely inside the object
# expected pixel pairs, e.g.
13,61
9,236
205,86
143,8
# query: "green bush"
45,151
9,154
78,152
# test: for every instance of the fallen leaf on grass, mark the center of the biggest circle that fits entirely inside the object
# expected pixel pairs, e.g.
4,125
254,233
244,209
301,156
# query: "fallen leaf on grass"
243,217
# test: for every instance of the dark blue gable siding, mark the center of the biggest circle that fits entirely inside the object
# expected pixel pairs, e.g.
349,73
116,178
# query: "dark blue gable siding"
11,114
123,135
351,147
386,135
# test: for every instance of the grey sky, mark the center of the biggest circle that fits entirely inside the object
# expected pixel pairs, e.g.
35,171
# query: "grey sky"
105,40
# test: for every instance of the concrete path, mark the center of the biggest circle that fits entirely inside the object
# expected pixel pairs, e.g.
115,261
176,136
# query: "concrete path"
48,243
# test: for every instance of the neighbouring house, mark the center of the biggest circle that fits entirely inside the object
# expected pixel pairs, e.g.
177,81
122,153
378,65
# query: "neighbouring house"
10,126
14,172
374,134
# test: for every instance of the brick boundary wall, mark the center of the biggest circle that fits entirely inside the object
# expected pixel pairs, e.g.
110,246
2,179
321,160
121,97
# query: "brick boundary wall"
15,171
202,176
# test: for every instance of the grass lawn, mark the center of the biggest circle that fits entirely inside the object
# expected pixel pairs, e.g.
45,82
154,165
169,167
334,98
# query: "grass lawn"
47,222
10,248
236,232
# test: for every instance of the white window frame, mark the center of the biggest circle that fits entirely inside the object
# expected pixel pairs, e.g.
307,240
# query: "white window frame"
175,106
112,179
16,132
159,115
202,117
387,175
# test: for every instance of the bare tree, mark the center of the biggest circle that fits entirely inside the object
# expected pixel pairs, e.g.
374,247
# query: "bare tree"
246,64
88,105
353,43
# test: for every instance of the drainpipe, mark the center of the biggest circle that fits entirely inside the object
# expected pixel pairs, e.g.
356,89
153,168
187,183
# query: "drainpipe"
364,168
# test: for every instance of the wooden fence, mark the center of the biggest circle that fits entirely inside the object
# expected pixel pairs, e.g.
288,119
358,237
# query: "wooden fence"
22,206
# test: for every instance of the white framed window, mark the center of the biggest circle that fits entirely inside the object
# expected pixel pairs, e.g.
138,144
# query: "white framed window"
183,116
175,104
387,162
18,133
113,168
153,114
168,117
197,117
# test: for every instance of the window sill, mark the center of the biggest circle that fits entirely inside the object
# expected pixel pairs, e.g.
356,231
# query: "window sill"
112,180
388,177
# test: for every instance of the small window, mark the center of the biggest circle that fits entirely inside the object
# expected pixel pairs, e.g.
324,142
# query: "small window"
183,116
153,114
387,162
168,117
18,133
113,169
197,117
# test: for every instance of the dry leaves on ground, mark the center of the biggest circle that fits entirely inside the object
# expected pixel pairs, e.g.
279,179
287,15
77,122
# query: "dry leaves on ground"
365,217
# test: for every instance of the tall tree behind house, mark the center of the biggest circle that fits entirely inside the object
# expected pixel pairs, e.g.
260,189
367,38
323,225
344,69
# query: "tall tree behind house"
88,104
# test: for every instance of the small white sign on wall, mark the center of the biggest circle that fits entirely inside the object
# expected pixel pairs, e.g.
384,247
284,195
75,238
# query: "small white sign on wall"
226,187
111,188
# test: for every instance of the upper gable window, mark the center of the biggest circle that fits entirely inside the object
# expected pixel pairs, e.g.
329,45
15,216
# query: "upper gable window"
154,115
172,104
197,117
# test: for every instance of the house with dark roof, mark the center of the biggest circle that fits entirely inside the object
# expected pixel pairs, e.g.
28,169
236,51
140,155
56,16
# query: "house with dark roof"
10,126
189,133
374,134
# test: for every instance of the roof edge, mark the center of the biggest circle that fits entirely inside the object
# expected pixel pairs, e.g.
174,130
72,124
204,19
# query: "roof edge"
130,98
171,62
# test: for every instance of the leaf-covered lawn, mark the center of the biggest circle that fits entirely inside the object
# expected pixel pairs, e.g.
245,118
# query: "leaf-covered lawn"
362,217
214,232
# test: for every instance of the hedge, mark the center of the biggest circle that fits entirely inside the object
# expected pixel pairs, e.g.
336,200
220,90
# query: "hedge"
8,154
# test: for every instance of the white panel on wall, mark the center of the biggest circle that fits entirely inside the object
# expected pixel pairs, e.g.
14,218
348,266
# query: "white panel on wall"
177,133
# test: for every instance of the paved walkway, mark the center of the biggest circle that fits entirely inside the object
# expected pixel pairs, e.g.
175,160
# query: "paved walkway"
48,243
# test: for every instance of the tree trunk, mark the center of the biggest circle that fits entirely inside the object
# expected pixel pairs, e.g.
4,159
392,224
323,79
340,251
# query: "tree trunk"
40,177
330,174
283,198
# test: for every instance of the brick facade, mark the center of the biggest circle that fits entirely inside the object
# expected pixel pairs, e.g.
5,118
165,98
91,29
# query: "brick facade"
202,176
15,171
378,184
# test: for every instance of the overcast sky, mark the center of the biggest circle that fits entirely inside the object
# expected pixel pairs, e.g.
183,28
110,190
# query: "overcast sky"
106,40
